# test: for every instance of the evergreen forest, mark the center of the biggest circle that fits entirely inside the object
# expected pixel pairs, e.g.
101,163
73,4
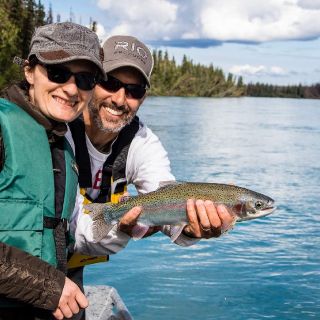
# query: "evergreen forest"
19,18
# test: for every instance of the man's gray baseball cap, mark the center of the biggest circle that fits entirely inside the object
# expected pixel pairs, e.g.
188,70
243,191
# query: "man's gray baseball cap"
63,42
127,51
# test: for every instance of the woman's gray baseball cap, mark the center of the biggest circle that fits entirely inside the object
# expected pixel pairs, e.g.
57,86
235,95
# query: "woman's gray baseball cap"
126,51
57,43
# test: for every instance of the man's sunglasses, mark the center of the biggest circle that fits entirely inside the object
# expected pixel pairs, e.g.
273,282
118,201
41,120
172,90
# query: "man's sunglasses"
135,91
59,74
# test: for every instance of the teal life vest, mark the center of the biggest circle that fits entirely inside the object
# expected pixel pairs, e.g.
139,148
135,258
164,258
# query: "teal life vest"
27,192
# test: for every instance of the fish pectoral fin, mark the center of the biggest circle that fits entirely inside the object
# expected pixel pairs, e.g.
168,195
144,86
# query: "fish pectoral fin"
226,228
175,230
139,230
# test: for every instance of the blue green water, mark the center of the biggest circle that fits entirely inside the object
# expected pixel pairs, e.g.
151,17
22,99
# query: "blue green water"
263,269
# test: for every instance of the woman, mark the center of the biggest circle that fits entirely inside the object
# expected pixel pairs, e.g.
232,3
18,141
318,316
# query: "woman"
38,177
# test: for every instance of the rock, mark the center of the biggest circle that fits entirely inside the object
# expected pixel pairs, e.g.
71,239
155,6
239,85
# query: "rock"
105,304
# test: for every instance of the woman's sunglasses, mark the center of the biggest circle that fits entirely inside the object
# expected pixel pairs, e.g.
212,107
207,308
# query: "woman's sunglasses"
135,91
59,74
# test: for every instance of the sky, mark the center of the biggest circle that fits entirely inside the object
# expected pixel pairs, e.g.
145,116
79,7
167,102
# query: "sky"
269,41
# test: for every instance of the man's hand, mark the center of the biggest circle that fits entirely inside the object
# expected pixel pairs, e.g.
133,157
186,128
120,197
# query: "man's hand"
207,220
71,300
129,221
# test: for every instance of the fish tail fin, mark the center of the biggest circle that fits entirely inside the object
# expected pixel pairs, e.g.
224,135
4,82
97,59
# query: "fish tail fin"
95,210
100,228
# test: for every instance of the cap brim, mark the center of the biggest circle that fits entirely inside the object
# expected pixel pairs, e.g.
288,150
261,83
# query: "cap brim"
113,65
69,59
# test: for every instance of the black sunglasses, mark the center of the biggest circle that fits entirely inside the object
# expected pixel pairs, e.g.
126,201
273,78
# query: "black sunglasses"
112,84
59,74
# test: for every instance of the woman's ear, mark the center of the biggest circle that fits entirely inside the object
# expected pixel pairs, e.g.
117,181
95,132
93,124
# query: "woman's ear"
29,74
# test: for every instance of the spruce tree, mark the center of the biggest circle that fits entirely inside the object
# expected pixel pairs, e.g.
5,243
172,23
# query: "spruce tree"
8,39
28,26
49,15
40,14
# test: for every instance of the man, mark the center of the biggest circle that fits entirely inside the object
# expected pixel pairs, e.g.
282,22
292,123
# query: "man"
113,149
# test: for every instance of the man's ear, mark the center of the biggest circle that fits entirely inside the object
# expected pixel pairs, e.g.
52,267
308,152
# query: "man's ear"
29,74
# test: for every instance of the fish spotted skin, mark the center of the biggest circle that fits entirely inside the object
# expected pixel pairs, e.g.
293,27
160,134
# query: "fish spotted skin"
167,205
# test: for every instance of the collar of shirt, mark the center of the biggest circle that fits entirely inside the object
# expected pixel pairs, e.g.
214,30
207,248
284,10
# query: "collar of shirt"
18,95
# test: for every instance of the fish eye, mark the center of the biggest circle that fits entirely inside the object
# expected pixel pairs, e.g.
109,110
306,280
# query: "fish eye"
258,205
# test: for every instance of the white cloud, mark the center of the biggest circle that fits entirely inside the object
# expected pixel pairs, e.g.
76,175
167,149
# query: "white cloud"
309,4
104,4
258,21
277,71
261,70
145,18
223,20
101,32
247,70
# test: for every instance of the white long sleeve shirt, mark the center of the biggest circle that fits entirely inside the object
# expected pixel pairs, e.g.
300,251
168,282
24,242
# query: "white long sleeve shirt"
147,165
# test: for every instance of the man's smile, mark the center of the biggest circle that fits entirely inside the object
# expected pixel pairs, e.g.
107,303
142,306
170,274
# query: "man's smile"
118,112
114,112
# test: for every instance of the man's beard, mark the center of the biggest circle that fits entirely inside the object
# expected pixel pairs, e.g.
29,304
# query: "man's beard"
112,126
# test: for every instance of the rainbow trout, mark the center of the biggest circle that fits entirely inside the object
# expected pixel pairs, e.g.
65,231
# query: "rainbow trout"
167,205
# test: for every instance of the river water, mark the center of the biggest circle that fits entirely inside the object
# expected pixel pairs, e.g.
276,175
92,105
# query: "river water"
267,268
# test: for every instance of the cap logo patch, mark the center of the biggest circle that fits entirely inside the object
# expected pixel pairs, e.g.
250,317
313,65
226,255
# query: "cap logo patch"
134,48
54,55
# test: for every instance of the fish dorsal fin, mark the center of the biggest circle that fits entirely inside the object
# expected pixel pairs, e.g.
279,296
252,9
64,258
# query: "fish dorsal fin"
165,184
168,183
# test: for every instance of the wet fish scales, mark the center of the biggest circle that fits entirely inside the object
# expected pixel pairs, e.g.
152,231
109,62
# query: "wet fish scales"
167,205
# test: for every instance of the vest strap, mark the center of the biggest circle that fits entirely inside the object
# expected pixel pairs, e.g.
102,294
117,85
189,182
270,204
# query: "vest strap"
52,223
78,132
60,228
105,186
60,237
114,167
